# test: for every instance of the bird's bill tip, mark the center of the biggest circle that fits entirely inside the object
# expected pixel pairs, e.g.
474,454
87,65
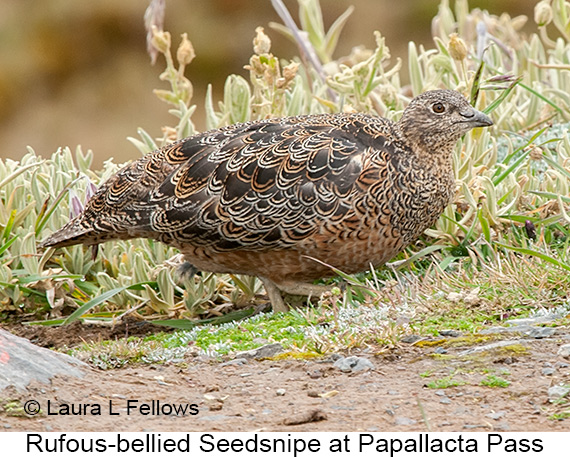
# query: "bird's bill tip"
479,119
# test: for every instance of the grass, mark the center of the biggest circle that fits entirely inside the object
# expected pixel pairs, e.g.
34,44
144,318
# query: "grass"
500,251
495,381
445,383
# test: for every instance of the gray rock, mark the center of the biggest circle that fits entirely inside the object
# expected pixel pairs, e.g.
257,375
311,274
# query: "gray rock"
445,400
401,420
548,371
22,362
527,330
440,350
496,415
490,347
280,392
353,364
262,352
540,332
450,333
411,339
535,320
564,351
240,361
557,392
501,330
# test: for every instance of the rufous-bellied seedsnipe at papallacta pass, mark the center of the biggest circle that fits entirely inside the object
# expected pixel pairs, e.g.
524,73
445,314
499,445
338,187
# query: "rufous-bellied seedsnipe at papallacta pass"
285,199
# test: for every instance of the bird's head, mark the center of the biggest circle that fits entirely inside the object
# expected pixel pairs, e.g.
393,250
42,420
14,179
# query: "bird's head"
436,119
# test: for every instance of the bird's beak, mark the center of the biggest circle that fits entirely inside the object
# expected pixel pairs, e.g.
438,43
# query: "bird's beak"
476,118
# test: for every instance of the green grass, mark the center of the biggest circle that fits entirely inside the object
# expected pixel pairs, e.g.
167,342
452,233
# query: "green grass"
445,383
495,381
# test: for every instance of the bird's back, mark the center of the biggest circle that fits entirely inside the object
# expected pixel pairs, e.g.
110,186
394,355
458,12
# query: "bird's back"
342,188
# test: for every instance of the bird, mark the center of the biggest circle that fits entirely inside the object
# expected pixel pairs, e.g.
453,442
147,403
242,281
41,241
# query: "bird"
285,199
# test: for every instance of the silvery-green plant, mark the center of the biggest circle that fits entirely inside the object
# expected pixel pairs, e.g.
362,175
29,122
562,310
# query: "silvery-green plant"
516,172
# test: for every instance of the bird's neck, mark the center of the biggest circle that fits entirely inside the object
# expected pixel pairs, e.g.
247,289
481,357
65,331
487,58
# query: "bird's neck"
430,151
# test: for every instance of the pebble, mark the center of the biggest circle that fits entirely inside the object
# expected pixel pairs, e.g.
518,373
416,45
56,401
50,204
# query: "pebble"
445,400
280,392
564,351
401,420
353,364
540,332
557,392
240,361
450,333
262,352
411,339
503,426
527,330
440,351
491,346
548,371
440,393
496,415
7,426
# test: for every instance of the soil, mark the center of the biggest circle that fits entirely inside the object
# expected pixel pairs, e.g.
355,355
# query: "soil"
294,395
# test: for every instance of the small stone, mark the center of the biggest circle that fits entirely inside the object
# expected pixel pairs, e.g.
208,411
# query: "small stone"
503,426
557,392
240,361
564,351
353,364
245,375
313,394
401,420
393,392
491,346
450,333
440,393
440,351
540,332
9,426
280,392
411,339
562,365
472,426
315,374
548,371
445,400
496,415
263,352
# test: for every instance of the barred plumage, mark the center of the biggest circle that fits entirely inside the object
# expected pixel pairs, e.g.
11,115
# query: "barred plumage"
265,198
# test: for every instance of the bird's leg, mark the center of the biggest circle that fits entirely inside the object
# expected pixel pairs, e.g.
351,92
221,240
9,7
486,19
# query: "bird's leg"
292,288
303,288
275,297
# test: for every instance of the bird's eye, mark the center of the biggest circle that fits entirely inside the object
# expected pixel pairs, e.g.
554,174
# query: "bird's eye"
438,108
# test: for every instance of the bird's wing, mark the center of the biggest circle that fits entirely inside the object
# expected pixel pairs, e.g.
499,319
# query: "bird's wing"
258,185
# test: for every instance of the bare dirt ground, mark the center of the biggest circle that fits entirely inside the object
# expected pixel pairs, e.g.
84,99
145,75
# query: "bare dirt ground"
297,395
